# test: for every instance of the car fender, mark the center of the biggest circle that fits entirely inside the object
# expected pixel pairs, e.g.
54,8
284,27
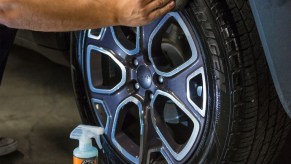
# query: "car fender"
273,22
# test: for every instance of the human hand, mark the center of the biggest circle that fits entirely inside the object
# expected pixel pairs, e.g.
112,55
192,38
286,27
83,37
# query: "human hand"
140,12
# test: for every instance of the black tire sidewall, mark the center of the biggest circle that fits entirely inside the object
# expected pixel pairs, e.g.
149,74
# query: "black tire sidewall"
212,143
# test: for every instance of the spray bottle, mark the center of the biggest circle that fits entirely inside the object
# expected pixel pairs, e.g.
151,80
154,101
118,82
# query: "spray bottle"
86,153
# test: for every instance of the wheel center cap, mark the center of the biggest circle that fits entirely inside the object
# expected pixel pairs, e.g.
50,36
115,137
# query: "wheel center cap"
144,77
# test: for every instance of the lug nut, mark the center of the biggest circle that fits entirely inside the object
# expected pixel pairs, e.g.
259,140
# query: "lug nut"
161,79
135,62
136,86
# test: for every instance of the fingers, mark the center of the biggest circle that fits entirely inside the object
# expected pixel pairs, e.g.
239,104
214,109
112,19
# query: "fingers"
156,4
147,1
141,14
162,10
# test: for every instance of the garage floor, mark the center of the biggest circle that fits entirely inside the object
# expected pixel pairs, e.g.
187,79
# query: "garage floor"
37,108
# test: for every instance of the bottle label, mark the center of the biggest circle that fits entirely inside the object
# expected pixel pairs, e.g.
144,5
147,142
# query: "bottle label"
77,160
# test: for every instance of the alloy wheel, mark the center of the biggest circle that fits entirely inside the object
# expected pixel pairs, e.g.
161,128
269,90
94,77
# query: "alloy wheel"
148,88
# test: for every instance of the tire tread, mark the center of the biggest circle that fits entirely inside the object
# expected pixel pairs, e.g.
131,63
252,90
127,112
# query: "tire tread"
259,124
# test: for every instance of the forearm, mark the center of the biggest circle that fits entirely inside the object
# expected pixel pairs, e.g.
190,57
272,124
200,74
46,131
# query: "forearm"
56,15
70,15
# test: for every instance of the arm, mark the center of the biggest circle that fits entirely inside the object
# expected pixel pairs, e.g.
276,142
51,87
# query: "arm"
69,15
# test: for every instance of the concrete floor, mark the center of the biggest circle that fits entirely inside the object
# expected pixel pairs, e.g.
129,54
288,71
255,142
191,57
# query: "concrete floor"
38,109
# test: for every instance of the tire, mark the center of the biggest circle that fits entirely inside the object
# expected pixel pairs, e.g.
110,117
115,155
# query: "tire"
225,106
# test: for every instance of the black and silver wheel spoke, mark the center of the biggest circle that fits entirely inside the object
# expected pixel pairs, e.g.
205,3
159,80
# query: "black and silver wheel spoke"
171,47
120,40
128,128
127,38
190,86
147,30
175,125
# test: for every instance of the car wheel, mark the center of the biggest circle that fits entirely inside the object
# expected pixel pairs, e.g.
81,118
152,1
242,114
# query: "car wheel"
191,87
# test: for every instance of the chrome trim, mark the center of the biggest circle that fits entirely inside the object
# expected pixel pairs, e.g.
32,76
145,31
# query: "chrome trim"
117,145
90,35
111,55
195,73
94,103
127,51
188,36
191,141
